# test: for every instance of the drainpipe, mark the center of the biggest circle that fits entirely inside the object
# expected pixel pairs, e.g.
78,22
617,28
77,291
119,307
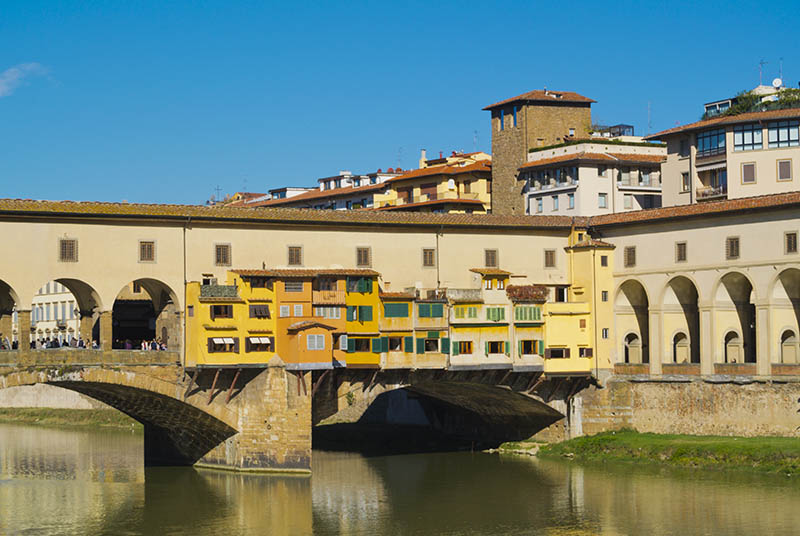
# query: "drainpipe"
185,297
594,311
438,280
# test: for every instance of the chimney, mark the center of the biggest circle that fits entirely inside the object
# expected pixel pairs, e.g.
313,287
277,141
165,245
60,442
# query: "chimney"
423,157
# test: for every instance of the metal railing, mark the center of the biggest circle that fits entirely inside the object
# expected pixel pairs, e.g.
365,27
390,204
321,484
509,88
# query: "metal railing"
708,192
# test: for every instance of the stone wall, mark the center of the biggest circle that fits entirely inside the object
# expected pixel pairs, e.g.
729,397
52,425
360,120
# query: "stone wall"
46,396
692,407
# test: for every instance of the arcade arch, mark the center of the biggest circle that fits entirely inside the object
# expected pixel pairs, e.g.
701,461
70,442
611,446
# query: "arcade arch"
146,310
631,309
681,317
736,315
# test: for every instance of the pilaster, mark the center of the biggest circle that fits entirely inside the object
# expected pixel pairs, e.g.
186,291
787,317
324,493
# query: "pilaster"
105,330
707,346
763,357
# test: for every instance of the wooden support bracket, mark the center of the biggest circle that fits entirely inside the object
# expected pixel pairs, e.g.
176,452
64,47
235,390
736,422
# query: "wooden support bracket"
192,381
233,384
315,387
213,385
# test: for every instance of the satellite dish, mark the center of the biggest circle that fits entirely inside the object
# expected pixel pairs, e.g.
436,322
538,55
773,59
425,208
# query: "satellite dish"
777,83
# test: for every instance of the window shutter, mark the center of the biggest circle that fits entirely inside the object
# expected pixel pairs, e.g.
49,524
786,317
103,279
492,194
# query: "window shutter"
437,310
486,347
236,345
210,345
566,352
508,350
501,313
376,346
351,313
424,310
547,353
385,344
365,313
343,343
409,344
420,346
588,352
445,345
351,345
541,347
519,348
213,312
455,347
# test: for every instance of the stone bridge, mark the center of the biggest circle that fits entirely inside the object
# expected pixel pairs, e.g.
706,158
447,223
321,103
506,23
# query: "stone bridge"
260,419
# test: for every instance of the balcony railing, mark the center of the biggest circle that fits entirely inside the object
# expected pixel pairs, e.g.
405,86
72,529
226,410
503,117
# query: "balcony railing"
716,151
630,182
328,297
553,184
711,192
400,201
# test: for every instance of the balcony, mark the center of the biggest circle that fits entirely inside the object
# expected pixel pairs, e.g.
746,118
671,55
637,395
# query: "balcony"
328,297
555,186
648,184
709,153
706,193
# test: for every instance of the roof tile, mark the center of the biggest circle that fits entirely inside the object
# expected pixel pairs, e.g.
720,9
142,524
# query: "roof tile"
542,95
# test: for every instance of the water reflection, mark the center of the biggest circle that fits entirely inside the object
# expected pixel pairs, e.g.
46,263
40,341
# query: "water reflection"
88,482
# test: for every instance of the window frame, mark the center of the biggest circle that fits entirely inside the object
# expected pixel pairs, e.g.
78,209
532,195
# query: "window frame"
153,245
786,243
603,295
755,173
729,241
716,134
686,183
549,258
685,251
629,257
752,129
290,249
62,242
602,200
492,254
432,253
217,246
778,170
359,251
776,126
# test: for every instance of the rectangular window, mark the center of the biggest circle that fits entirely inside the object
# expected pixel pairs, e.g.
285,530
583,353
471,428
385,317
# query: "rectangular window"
315,342
790,241
582,323
749,173
557,353
285,311
458,312
328,312
539,205
549,258
360,345
528,347
293,286
570,200
431,345
502,119
428,257
136,287
487,283
472,312
602,200
295,256
604,295
603,260
259,311
514,111
221,311
298,309
747,137
362,285
585,352
222,254
464,347
601,171
496,314
527,313
555,203
67,250
365,313
363,257
495,347
490,258
680,252
223,344
501,284
147,251
630,257
258,344
604,333
571,131
561,294
711,142
395,310
684,182
683,150
732,247
627,201
784,170
783,134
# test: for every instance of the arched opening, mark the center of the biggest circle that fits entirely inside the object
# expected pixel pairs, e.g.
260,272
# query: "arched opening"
632,314
65,313
734,351
633,348
146,316
789,347
785,311
734,304
680,349
9,339
680,312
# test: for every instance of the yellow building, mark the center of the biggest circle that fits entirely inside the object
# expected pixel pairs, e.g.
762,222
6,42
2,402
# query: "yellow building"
364,343
460,183
396,324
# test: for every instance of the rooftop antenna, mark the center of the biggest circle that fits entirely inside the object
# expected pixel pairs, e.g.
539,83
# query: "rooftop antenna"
761,65
244,186
475,141
780,68
649,119
217,190
400,156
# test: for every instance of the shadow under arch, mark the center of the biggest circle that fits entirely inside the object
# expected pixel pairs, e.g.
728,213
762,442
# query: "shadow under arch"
684,291
146,309
175,433
739,291
88,307
8,303
632,294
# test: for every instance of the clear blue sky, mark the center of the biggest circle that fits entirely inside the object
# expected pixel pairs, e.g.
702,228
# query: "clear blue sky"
163,101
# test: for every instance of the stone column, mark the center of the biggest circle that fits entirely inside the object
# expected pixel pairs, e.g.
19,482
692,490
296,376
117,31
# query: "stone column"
6,325
707,346
86,324
24,330
105,330
274,432
762,342
655,342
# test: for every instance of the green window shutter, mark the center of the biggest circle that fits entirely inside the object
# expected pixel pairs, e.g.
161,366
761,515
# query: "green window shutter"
376,346
455,347
486,348
351,313
518,313
409,344
437,310
424,310
351,345
519,348
420,346
501,313
508,350
473,312
433,334
537,313
396,310
489,313
445,345
459,312
365,313
370,285
385,344
541,347
347,286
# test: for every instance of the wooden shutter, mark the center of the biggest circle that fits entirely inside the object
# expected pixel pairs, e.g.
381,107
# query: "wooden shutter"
566,352
437,310
791,242
351,313
351,345
547,353
490,258
376,346
409,344
420,346
445,346
588,352
455,347
365,313
519,348
732,247
507,348
236,345
213,312
630,256
486,347
540,347
424,310
210,345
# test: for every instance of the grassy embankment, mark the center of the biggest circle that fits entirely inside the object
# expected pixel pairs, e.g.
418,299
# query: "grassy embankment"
95,418
763,454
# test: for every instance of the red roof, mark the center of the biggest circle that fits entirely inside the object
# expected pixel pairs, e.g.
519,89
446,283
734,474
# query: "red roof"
318,194
597,157
458,201
729,120
543,95
444,169
490,271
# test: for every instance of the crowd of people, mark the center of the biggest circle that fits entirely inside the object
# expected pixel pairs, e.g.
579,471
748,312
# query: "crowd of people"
45,343
144,345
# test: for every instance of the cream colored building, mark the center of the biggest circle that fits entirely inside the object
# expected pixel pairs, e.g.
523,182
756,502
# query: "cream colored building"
53,314
732,157
592,177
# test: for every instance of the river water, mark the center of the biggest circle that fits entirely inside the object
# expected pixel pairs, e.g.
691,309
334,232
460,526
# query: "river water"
79,482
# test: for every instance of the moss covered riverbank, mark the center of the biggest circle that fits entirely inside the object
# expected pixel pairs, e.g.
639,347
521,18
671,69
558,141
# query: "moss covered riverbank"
762,454
78,418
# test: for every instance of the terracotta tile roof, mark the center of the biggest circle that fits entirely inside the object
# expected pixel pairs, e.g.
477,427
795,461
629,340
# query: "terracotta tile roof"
318,194
749,117
591,243
306,272
597,157
408,206
444,169
539,95
706,208
397,296
308,324
275,215
490,271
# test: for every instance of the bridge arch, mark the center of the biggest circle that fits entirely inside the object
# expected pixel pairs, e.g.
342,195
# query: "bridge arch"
146,309
632,312
680,314
734,300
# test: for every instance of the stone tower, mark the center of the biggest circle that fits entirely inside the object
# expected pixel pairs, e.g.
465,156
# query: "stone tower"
535,119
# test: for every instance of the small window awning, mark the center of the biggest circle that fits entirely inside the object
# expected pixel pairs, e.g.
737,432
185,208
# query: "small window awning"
709,167
227,340
260,340
218,340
